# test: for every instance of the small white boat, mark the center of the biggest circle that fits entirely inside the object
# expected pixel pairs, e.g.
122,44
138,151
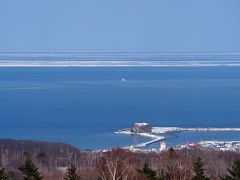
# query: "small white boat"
123,80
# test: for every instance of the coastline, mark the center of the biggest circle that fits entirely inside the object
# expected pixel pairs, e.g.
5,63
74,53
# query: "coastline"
157,134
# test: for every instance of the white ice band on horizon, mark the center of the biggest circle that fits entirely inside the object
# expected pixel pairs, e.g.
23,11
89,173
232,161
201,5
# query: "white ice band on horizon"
64,63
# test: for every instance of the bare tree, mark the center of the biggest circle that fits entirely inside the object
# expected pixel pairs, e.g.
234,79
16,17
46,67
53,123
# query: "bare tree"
114,167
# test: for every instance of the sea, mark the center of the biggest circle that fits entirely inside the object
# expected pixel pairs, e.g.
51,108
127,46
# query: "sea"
84,105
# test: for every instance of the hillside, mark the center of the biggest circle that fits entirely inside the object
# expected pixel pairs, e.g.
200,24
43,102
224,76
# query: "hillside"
52,159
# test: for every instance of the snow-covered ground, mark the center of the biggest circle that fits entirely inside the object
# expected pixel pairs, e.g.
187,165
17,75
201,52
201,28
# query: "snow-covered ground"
216,145
154,137
157,135
128,131
161,130
221,145
158,130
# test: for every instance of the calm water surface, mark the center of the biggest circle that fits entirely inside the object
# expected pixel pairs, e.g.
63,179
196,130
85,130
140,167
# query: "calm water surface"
84,106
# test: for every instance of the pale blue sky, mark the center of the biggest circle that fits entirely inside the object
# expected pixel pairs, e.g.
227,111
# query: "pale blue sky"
120,25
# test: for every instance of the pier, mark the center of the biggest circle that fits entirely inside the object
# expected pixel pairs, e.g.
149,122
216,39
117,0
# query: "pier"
148,142
155,132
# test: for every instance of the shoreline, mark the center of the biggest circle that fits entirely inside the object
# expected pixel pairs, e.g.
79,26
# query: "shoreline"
156,134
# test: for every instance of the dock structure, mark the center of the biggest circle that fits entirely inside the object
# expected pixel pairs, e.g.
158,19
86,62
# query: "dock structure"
148,142
145,130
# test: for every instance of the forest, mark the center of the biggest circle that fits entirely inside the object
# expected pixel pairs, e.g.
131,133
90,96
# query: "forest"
34,160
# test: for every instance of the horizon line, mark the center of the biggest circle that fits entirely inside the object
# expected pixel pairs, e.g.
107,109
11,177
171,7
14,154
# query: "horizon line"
128,52
27,63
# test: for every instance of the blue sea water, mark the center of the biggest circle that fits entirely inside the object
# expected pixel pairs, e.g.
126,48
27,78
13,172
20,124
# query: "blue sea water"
84,106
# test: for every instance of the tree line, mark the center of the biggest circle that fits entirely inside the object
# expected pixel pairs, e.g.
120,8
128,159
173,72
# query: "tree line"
53,159
115,169
30,171
198,167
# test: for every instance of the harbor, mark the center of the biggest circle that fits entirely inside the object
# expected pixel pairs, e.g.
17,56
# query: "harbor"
157,134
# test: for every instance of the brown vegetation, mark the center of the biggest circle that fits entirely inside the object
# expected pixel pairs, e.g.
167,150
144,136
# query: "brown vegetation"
53,159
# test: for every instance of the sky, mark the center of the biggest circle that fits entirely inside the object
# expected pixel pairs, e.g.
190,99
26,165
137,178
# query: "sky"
120,25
